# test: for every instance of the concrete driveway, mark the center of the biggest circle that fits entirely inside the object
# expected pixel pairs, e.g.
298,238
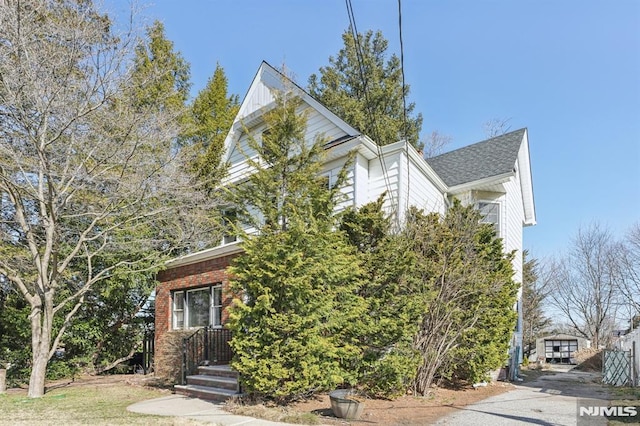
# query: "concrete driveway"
550,399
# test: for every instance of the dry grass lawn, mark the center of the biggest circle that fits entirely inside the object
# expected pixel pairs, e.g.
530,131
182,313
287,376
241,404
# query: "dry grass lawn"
86,401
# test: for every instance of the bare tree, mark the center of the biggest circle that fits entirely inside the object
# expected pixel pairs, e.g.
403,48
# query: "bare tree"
585,284
496,127
85,170
435,144
630,281
535,289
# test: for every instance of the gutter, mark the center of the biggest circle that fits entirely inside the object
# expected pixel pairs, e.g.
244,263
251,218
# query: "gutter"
208,254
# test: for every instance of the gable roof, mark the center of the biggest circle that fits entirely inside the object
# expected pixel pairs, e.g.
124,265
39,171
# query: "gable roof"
490,158
260,97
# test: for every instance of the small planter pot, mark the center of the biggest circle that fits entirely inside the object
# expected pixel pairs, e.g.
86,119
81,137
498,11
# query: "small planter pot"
344,404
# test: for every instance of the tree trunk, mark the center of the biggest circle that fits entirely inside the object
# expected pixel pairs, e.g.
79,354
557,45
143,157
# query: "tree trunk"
41,326
38,373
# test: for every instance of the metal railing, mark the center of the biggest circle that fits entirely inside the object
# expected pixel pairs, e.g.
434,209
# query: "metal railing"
207,346
148,350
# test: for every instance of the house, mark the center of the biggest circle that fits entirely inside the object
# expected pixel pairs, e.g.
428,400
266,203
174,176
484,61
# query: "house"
494,175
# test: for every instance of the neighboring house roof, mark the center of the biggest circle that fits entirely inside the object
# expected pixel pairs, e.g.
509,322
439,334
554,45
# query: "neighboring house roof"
492,157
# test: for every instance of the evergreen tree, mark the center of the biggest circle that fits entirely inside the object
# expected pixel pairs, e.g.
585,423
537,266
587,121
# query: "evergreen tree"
385,335
211,116
298,277
161,75
366,91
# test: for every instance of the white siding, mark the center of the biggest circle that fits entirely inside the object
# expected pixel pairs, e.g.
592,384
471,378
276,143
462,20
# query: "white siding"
260,95
361,180
332,169
317,126
422,193
514,221
379,185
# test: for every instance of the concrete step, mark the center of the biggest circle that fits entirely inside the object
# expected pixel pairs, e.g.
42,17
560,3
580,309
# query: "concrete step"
229,383
217,370
205,392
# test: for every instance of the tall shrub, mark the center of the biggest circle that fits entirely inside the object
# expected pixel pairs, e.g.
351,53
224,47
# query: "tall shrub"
298,277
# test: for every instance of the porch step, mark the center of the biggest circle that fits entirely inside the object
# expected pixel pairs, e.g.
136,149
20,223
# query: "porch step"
213,382
218,382
205,392
217,370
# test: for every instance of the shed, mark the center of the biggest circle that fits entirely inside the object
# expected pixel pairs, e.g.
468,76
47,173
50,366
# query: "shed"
560,348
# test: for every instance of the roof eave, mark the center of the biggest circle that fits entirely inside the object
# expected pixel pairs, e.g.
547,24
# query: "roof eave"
204,255
491,180
526,182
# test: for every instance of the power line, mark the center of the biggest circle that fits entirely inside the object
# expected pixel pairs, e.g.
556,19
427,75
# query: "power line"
368,108
404,97
404,105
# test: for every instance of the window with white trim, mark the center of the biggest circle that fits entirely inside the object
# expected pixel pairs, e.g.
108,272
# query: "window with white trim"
178,310
229,219
198,307
490,213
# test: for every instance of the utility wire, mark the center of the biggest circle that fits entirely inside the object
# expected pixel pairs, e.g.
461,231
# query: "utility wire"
404,105
359,57
404,97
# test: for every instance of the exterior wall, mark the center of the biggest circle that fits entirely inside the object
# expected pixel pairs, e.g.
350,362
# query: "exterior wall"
260,95
421,192
378,185
332,169
514,218
180,278
361,180
317,126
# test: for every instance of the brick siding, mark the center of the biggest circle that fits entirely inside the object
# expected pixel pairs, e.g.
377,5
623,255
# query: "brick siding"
194,275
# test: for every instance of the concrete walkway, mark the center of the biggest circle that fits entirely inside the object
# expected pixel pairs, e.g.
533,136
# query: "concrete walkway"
196,409
549,400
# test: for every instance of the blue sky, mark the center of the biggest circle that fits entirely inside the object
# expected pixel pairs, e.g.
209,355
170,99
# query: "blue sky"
567,70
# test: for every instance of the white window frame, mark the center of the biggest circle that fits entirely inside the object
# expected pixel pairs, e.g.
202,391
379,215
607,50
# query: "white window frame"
175,310
229,237
498,210
215,307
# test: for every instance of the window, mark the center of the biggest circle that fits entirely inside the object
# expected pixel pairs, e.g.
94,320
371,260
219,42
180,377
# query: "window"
490,213
199,307
178,309
216,306
267,146
229,219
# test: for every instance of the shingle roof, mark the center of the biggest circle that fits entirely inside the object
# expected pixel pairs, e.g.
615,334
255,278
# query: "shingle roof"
492,157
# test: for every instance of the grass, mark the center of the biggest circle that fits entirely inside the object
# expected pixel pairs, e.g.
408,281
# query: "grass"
625,397
99,404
